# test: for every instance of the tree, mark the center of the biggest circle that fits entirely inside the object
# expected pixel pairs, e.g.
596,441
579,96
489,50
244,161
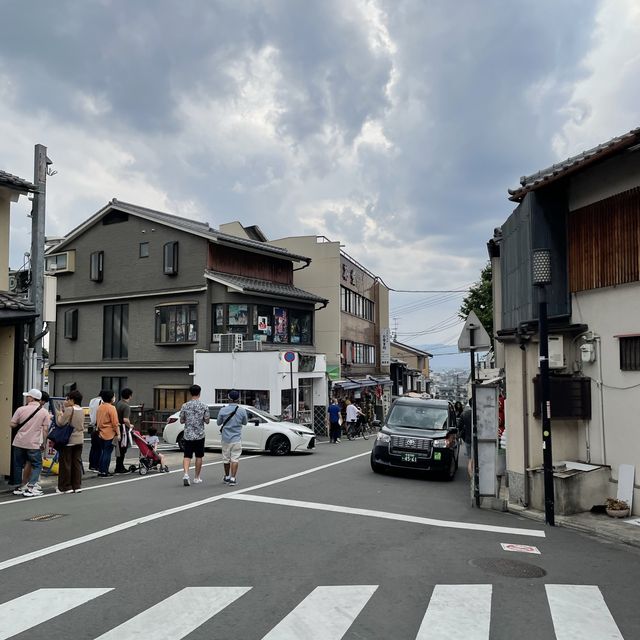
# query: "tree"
480,300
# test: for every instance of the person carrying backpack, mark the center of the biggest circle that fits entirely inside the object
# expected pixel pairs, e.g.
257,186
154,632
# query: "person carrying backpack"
231,419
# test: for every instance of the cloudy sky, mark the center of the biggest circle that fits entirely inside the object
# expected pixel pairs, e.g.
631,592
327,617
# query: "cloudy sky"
395,126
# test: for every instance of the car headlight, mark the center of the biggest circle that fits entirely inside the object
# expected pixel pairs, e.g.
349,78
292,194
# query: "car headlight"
302,434
440,443
383,438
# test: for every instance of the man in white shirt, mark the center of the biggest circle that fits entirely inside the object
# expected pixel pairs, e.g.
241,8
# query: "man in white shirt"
352,415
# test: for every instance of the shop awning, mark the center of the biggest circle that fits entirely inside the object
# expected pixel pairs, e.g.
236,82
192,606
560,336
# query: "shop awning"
358,383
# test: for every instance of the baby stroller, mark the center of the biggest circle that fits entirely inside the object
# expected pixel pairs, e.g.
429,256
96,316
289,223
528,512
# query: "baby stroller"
149,459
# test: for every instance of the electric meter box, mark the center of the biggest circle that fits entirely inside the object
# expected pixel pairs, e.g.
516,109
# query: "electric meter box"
556,352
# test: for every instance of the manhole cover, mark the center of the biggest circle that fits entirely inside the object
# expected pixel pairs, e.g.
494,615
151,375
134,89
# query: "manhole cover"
45,517
508,568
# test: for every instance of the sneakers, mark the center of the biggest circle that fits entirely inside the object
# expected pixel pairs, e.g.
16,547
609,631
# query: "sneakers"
77,491
226,479
185,480
18,491
32,491
232,482
197,480
337,440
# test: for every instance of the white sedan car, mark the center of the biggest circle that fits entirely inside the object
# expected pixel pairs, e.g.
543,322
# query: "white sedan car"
263,432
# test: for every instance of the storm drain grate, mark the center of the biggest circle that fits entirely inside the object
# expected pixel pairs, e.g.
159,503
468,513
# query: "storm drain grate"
44,517
508,568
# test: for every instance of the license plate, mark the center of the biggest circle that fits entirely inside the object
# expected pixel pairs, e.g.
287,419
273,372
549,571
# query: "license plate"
409,457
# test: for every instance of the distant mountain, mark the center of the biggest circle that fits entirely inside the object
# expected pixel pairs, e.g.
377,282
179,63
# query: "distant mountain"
446,356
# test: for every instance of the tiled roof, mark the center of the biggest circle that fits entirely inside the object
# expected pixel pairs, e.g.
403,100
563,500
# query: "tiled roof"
13,307
186,224
573,164
14,182
253,285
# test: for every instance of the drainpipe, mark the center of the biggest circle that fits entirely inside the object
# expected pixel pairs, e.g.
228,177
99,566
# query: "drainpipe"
601,386
525,422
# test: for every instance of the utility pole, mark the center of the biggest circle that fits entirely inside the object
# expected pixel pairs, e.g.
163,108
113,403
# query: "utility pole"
36,292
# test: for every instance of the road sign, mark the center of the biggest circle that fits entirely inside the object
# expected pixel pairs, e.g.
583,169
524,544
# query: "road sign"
290,356
481,340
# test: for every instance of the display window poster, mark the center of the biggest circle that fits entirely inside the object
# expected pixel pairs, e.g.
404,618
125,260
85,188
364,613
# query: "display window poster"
219,315
281,325
263,323
238,314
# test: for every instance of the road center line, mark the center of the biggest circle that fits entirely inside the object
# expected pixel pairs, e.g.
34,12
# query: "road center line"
33,555
385,515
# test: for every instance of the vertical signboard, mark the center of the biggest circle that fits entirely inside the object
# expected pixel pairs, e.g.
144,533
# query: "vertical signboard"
385,347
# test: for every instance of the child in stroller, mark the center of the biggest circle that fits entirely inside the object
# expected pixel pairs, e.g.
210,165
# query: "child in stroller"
150,459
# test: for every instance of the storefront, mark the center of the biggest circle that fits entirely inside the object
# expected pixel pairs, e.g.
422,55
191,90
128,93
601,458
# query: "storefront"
372,395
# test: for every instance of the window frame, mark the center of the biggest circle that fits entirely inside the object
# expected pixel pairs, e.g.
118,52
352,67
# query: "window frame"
70,330
629,347
141,251
190,317
170,258
112,314
96,266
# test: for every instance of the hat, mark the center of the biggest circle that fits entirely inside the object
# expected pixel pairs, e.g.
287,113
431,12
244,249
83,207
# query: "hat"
233,394
36,394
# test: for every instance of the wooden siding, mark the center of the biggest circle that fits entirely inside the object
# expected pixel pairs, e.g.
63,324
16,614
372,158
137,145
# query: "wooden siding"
604,242
249,265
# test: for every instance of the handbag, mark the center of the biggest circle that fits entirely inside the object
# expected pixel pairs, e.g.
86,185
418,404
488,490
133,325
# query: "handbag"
60,435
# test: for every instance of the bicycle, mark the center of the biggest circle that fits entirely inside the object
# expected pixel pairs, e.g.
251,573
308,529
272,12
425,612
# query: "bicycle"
358,429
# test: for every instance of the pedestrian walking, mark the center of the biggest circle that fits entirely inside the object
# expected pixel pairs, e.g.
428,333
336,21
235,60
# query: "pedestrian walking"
123,408
32,421
26,470
70,456
352,416
96,443
108,430
194,414
334,421
231,419
467,434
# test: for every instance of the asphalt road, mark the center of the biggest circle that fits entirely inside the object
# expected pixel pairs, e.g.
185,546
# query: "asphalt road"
305,547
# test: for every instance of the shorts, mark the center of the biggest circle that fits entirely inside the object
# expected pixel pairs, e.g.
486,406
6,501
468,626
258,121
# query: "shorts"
231,451
194,447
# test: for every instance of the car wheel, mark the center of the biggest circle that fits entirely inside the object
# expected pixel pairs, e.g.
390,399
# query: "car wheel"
279,445
376,467
180,442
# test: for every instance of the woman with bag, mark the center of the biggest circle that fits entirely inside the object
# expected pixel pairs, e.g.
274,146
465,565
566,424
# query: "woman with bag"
108,430
70,455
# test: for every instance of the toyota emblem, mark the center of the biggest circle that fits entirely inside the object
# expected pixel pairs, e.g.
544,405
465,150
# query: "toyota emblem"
411,443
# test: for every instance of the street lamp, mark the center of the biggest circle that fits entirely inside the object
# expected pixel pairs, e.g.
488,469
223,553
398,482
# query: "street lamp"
541,277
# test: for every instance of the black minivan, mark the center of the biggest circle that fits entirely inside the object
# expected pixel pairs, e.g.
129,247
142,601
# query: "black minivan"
418,434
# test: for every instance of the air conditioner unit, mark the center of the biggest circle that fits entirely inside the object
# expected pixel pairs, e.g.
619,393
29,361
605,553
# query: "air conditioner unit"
216,337
230,342
252,345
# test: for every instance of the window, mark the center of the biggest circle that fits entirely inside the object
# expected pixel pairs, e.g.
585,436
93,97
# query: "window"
177,323
170,259
630,353
170,398
116,384
115,339
358,353
71,324
143,251
264,323
96,266
57,262
68,387
354,303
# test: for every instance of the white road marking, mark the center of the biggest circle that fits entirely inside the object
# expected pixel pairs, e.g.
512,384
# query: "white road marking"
450,524
178,615
107,485
457,611
37,607
325,614
579,611
33,555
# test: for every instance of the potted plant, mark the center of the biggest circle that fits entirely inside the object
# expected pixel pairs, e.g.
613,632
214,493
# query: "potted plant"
617,508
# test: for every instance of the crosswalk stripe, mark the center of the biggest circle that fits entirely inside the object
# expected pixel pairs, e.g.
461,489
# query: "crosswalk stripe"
178,615
325,614
579,611
457,611
37,607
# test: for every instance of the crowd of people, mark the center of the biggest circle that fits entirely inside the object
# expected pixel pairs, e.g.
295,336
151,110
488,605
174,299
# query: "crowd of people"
112,431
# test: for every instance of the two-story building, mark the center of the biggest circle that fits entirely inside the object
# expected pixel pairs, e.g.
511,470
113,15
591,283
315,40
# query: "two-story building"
409,368
586,212
139,291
